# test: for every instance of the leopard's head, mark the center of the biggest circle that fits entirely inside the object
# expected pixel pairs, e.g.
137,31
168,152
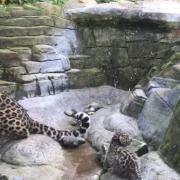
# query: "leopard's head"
122,139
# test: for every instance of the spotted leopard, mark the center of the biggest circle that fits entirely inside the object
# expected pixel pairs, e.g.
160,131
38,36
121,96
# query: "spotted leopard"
16,123
120,161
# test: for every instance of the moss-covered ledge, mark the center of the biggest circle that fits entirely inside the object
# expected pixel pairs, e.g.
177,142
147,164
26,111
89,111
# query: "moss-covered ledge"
108,12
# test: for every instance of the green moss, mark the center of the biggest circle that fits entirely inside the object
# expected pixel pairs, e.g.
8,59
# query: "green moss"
174,59
176,160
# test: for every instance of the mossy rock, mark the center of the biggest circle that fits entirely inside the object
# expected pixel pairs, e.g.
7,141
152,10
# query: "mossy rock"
170,148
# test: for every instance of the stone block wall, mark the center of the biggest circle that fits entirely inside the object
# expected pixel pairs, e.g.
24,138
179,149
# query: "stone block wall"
126,55
125,43
34,52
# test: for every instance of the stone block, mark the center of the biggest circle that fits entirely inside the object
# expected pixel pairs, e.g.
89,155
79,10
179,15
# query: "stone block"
44,53
154,119
27,21
9,58
85,78
62,23
46,88
49,53
109,37
24,53
134,103
100,56
119,57
142,35
32,67
11,31
28,41
88,37
126,77
142,49
81,62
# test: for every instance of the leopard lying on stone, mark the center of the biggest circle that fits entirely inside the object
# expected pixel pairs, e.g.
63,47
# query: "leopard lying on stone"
120,161
16,123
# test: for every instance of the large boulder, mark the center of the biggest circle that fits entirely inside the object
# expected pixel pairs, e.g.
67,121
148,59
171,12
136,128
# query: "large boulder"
35,150
170,148
152,168
156,114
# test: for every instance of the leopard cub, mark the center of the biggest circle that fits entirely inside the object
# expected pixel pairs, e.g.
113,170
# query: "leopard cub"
120,161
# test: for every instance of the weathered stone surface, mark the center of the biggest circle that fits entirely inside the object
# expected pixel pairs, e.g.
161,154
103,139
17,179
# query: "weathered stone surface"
113,14
44,172
88,37
13,73
152,167
41,76
170,147
35,150
27,21
122,123
130,75
134,103
176,69
164,82
156,114
142,49
11,31
24,53
100,56
85,78
9,58
81,62
119,57
32,67
43,84
108,37
44,53
63,23
28,40
142,35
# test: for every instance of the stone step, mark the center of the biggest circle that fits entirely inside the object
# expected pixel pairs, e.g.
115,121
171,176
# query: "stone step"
43,84
60,65
28,41
9,31
81,62
85,78
27,21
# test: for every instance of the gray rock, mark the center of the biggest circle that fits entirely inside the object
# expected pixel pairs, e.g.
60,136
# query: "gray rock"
155,116
9,58
35,150
24,53
170,146
112,12
108,120
44,53
44,172
133,105
152,168
122,123
109,36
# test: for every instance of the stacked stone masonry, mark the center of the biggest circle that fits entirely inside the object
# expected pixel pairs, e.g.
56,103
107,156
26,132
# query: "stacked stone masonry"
125,43
35,51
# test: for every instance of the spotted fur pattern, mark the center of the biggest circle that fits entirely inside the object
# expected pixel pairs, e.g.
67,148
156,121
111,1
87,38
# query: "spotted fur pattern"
16,123
120,161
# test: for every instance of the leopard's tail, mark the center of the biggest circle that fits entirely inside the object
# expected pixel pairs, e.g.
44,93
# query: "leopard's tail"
69,138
